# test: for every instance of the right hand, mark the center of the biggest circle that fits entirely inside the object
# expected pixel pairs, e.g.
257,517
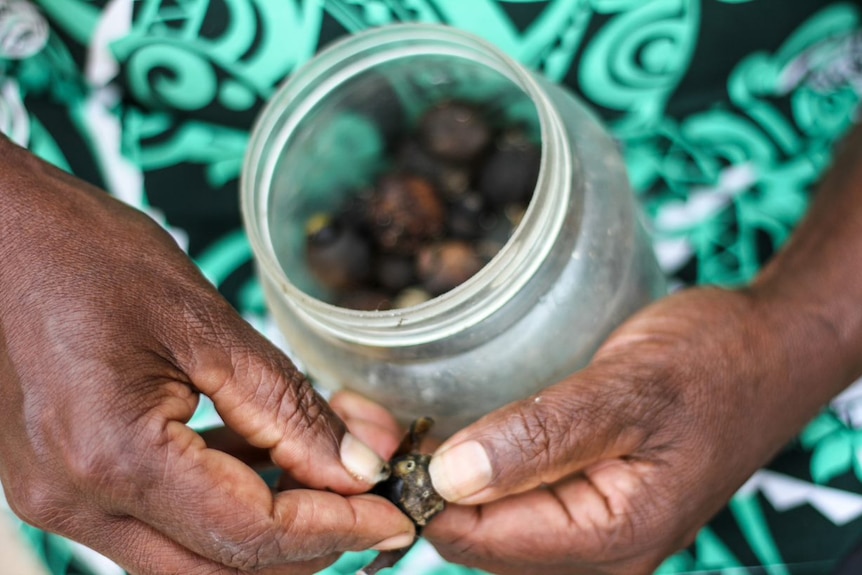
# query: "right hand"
108,334
619,465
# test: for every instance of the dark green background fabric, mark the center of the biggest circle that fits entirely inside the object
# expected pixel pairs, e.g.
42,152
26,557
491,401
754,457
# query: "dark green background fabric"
726,111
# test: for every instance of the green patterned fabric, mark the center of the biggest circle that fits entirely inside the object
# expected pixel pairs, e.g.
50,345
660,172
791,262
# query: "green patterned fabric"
726,111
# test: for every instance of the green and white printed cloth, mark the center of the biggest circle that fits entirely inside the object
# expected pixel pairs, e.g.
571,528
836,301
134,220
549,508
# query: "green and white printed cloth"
726,111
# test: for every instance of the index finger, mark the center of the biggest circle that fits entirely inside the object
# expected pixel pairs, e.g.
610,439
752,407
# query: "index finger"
221,509
261,395
596,414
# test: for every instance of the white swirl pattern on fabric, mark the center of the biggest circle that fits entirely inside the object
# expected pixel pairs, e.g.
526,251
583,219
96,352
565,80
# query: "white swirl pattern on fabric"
23,30
14,121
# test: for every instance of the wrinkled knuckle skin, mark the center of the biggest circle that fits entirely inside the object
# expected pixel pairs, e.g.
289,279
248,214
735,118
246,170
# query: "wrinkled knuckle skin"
533,435
256,552
246,558
307,412
536,433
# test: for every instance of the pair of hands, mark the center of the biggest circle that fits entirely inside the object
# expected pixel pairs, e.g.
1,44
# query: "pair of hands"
108,334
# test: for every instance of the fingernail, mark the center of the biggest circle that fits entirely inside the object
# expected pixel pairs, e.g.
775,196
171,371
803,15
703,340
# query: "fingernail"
361,461
460,471
396,542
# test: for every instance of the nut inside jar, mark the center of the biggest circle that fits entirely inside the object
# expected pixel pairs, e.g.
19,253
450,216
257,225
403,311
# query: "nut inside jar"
445,202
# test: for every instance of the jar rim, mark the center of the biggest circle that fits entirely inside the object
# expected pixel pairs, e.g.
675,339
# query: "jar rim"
475,299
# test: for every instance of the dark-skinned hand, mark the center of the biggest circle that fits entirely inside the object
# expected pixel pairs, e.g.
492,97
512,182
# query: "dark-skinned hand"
618,466
108,334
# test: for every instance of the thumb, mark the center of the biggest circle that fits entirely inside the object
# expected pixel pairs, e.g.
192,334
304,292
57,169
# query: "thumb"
262,396
538,440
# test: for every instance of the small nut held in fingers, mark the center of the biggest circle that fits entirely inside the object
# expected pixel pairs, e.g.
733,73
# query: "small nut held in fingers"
409,487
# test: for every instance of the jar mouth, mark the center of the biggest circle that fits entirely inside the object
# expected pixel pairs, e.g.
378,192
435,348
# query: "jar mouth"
473,300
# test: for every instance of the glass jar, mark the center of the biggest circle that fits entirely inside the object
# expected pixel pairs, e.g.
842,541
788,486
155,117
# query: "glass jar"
577,265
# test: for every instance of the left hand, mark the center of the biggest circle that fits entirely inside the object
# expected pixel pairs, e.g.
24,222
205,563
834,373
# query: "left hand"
108,337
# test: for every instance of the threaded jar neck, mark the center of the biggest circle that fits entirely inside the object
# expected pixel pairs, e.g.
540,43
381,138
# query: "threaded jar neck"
474,300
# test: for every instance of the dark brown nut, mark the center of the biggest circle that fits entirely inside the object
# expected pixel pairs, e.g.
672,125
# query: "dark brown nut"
409,484
395,272
509,175
445,266
338,257
409,488
364,300
405,212
455,131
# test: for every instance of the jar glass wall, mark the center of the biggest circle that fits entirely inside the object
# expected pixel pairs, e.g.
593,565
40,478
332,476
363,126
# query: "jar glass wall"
576,265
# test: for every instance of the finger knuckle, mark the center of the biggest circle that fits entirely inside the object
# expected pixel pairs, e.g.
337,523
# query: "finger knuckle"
247,556
93,464
537,433
255,551
305,413
280,389
245,560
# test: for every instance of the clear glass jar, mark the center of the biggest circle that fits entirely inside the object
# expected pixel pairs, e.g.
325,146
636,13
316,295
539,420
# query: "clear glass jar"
576,266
